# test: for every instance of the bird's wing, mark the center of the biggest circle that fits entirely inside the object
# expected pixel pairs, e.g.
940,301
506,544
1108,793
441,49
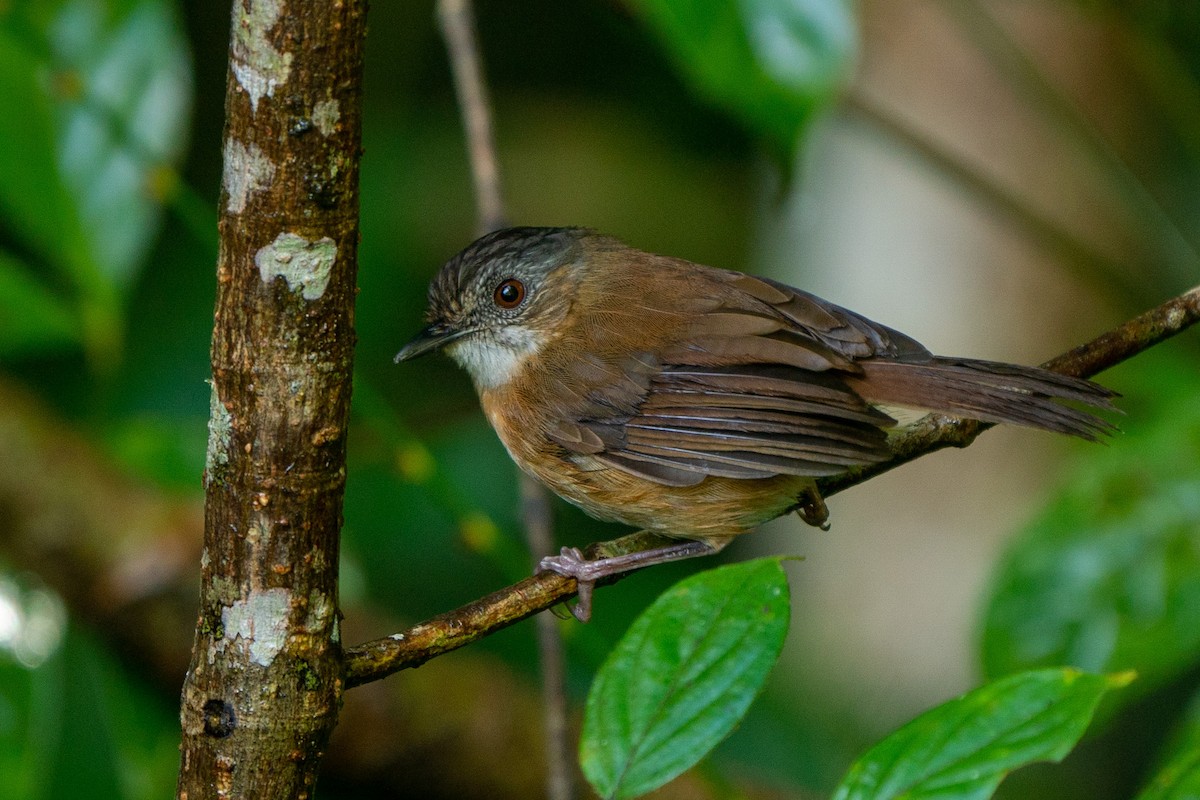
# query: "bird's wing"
752,387
766,380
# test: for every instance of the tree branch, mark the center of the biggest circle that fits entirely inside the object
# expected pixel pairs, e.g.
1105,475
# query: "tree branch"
454,629
264,686
123,555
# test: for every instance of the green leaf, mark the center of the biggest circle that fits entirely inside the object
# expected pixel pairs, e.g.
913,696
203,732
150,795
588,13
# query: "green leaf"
771,63
32,317
1108,577
963,749
683,676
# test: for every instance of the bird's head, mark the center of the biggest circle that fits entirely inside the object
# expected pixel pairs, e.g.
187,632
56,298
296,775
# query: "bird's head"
500,300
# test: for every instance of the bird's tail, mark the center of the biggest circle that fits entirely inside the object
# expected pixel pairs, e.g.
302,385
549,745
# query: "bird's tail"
988,391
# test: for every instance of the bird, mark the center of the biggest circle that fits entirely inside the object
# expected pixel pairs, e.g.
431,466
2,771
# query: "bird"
694,402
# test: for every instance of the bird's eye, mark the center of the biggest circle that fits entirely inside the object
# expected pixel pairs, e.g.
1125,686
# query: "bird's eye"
510,293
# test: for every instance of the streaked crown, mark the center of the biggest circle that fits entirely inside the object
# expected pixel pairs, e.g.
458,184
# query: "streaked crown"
468,283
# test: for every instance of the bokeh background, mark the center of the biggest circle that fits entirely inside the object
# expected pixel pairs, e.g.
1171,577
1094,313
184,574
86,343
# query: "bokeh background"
998,179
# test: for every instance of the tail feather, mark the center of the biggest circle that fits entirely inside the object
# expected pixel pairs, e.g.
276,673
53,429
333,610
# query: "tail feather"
988,391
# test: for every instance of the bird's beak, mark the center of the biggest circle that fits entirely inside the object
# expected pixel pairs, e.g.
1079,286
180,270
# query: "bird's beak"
434,337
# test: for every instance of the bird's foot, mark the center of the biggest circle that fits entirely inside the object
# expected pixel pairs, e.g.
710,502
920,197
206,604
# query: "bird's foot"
570,563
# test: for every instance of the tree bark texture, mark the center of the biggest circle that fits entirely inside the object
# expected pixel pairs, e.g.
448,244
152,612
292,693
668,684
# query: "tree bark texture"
264,686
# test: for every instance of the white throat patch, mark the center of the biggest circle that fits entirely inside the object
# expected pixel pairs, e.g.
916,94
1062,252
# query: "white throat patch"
492,359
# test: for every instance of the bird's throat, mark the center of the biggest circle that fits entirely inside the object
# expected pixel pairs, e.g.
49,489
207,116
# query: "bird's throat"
494,357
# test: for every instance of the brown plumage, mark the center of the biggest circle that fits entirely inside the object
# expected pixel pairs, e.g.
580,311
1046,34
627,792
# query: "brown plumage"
691,401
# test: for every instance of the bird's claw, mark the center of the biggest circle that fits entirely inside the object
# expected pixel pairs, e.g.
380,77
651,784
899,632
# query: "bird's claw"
812,509
571,563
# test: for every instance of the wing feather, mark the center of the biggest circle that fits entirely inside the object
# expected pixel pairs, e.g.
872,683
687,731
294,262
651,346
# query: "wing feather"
755,379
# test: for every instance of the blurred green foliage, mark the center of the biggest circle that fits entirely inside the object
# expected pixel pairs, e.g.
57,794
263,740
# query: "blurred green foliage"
80,725
104,90
770,64
1178,777
647,120
1108,576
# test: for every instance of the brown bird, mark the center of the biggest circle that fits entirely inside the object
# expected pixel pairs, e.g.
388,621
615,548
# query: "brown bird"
690,401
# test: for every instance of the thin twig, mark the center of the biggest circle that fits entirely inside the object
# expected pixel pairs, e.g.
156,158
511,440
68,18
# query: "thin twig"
462,626
539,533
457,22
458,28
